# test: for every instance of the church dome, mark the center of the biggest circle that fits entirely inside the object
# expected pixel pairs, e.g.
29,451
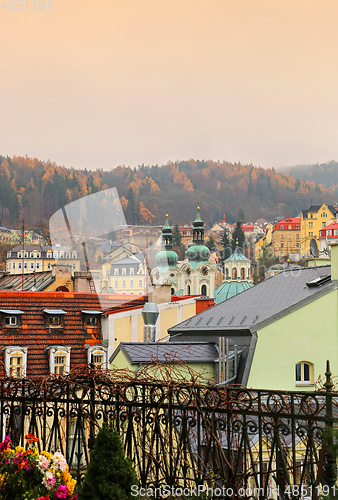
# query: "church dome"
230,288
166,258
198,253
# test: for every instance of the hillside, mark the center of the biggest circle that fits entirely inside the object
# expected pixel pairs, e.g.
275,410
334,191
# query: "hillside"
324,174
40,188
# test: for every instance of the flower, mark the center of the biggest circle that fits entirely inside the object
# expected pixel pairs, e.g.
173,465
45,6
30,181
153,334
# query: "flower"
49,480
61,492
59,461
31,438
43,463
4,446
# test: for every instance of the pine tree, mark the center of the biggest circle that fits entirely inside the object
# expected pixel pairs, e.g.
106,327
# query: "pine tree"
177,236
238,235
226,245
210,243
110,475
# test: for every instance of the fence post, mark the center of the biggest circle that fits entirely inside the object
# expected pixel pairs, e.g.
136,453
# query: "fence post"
331,468
91,440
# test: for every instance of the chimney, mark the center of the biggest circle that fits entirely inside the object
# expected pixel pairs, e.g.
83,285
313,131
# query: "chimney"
150,314
334,261
203,303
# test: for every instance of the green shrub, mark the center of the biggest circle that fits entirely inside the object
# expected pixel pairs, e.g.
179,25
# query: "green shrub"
110,475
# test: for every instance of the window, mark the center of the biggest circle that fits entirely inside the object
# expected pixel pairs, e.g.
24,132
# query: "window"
310,234
227,273
124,284
131,271
96,356
19,255
15,361
323,224
289,226
73,267
8,265
297,226
140,283
59,365
74,255
243,273
67,255
116,284
297,244
234,274
15,366
282,245
204,290
92,321
282,227
311,216
304,372
11,321
49,254
297,236
131,283
38,265
282,236
49,265
32,265
26,255
13,265
124,271
62,254
116,271
54,321
59,359
25,265
55,254
31,255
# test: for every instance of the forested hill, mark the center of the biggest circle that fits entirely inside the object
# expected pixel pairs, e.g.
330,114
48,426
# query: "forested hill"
325,174
40,188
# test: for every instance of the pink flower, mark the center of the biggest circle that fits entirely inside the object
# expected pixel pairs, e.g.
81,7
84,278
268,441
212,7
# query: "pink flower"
49,480
61,492
43,463
5,444
59,461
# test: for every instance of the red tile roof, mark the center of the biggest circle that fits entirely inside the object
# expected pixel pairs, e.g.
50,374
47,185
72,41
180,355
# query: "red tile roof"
36,335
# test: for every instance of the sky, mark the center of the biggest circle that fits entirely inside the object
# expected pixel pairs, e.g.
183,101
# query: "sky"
97,84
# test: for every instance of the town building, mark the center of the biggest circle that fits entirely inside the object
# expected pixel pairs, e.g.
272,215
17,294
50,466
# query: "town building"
237,270
311,222
286,239
197,275
124,272
39,258
139,238
327,236
285,328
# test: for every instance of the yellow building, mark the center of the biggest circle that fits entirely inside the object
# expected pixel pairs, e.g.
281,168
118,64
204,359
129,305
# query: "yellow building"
311,222
39,258
286,238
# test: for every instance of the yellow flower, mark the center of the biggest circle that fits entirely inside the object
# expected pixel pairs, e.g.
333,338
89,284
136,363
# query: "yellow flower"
70,486
47,454
19,449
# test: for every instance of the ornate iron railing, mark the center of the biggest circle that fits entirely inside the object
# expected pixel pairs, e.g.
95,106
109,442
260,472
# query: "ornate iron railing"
250,442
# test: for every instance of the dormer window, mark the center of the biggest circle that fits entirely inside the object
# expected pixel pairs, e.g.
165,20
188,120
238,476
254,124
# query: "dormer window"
62,254
92,318
97,356
74,255
59,359
67,255
15,361
55,317
124,271
116,271
131,271
49,254
55,255
11,317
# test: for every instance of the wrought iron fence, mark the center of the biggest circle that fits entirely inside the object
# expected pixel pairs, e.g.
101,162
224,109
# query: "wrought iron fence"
241,442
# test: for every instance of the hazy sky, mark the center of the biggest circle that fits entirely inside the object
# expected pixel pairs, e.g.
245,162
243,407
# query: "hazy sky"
102,83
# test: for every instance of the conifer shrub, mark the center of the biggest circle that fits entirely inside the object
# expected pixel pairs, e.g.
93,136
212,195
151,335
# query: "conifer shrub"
110,475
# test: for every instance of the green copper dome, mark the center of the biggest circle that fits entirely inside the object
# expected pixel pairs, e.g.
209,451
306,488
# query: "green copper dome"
167,258
230,288
198,252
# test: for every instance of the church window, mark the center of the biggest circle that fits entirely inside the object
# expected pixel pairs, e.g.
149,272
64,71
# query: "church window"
234,273
243,273
188,290
227,273
203,290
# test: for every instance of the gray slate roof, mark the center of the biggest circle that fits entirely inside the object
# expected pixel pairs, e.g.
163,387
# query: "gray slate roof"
259,305
147,352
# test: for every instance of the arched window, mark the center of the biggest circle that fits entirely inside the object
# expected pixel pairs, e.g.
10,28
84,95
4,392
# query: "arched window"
243,273
116,271
203,290
248,273
172,291
131,270
234,273
124,271
227,274
304,372
188,290
55,255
